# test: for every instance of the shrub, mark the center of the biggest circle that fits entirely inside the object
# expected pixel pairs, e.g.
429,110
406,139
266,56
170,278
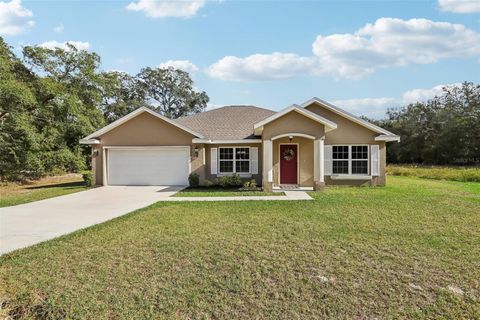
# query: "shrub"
194,180
229,181
222,181
63,160
235,181
88,178
250,185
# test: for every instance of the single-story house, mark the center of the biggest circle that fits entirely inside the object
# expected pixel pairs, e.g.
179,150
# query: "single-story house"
308,145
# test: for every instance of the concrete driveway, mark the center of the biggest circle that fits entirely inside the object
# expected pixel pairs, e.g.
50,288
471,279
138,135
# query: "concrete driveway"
27,224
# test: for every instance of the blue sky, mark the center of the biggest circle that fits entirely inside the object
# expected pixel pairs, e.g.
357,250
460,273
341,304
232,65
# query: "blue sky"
364,56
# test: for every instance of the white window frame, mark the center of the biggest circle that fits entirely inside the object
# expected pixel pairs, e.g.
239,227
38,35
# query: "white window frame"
350,160
235,161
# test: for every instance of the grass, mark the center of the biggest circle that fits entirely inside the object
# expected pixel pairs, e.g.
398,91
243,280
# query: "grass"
436,172
14,193
408,250
222,192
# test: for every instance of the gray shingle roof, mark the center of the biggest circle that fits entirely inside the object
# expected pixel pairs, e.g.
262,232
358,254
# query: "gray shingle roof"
226,123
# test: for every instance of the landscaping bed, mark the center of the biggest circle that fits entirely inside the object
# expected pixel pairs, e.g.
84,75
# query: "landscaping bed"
223,192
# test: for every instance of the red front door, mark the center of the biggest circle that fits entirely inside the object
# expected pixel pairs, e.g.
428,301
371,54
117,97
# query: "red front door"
288,164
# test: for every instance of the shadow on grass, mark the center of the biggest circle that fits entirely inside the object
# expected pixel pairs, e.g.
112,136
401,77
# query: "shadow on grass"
58,185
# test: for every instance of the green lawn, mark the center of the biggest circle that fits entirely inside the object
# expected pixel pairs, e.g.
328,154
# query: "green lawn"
12,193
221,192
409,250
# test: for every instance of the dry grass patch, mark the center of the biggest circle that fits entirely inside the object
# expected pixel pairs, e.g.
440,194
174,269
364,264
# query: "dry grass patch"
436,172
49,187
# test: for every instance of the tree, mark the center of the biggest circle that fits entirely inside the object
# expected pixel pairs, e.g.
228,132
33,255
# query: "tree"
69,93
18,137
54,97
43,115
444,130
120,95
170,92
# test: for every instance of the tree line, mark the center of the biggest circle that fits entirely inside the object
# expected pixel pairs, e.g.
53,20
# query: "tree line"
444,130
50,98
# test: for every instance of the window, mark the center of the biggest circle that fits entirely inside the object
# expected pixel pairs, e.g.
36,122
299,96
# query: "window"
234,160
340,159
350,160
226,160
359,159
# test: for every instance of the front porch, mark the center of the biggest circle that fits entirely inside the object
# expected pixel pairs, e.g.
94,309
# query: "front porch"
293,161
293,148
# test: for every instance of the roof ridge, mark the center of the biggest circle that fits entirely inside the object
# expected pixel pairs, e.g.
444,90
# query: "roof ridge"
226,106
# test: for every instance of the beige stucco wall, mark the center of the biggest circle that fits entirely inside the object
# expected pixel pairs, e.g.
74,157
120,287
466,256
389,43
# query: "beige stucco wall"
349,132
146,130
294,122
212,177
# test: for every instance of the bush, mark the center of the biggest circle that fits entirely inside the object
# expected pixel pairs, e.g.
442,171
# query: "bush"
250,185
222,181
194,180
235,181
88,179
63,160
437,173
229,181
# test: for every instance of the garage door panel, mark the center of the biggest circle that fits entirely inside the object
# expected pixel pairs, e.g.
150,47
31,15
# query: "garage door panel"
148,167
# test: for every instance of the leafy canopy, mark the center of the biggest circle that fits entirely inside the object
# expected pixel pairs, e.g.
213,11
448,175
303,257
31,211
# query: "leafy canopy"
55,97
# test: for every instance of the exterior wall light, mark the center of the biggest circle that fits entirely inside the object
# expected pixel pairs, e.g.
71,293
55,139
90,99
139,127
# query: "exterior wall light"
196,150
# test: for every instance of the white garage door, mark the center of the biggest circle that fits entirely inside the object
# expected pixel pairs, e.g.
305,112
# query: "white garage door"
148,167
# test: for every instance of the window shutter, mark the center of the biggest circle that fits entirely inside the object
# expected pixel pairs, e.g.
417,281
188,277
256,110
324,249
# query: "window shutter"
213,161
328,160
254,160
375,162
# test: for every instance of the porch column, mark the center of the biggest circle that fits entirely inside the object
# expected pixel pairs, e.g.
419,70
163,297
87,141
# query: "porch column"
318,162
104,167
322,160
267,165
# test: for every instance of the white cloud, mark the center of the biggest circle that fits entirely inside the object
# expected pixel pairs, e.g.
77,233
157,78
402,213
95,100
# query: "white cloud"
386,43
59,28
394,42
14,19
460,6
184,65
80,45
370,107
376,107
167,8
422,95
260,67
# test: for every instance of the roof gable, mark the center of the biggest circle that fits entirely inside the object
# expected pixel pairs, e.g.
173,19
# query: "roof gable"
90,139
348,116
329,125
